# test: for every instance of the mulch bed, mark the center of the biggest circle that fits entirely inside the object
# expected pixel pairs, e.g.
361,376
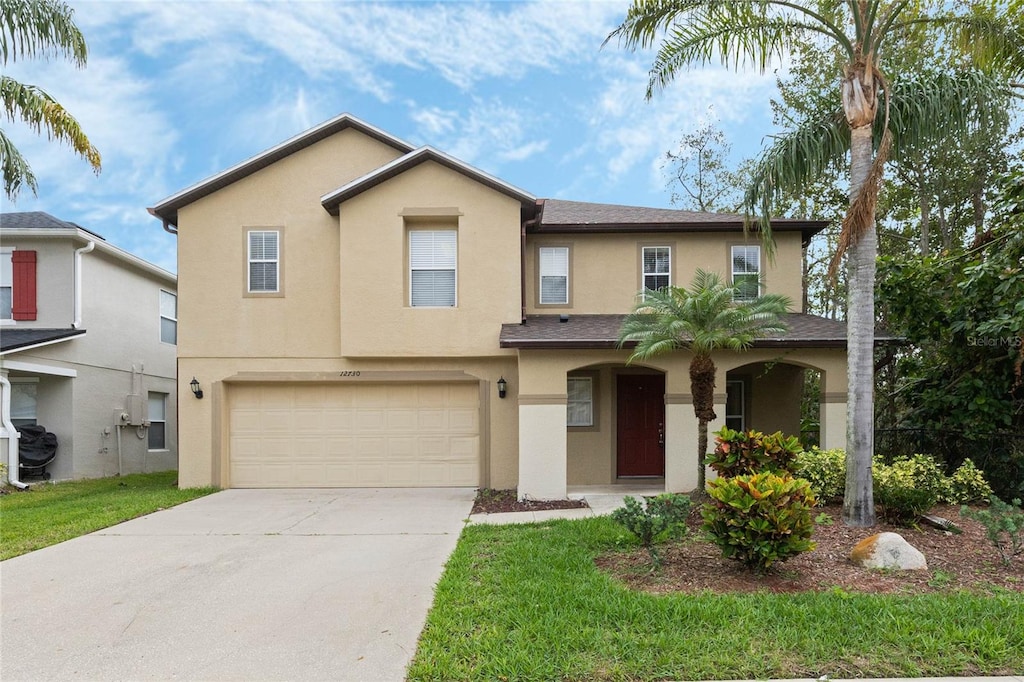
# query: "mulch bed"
955,562
490,501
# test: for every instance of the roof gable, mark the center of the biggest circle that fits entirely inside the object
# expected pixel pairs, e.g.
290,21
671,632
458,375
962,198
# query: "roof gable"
167,210
333,200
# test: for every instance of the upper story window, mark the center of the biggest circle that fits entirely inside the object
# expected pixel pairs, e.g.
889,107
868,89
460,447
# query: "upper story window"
554,274
168,317
657,265
264,275
17,285
6,285
433,257
746,272
157,421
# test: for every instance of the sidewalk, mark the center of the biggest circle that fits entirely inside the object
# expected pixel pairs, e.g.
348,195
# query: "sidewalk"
601,500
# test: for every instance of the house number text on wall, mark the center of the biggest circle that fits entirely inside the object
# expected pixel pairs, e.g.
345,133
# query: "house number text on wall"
350,373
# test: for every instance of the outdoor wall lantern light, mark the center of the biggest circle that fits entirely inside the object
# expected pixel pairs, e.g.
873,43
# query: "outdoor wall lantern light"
502,387
196,391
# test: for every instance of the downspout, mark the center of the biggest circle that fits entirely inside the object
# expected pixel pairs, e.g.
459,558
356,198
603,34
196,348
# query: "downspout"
522,272
78,282
13,436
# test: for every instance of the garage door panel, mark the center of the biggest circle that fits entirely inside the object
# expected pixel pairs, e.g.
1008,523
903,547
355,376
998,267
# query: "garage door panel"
355,435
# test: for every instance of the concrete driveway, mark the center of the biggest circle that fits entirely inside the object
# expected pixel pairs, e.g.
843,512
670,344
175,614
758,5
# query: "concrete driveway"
240,585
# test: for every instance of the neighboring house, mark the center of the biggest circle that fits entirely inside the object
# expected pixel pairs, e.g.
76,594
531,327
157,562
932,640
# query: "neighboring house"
352,307
88,337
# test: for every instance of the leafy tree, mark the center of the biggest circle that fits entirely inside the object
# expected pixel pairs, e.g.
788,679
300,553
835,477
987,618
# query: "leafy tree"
32,29
702,319
700,177
755,32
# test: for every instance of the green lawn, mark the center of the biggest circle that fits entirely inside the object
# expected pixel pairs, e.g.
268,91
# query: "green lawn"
526,603
47,514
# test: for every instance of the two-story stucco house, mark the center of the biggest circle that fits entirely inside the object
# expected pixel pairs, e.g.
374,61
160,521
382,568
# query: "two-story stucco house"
88,337
360,312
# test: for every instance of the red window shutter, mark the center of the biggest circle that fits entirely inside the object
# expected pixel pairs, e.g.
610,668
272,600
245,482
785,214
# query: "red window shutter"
23,265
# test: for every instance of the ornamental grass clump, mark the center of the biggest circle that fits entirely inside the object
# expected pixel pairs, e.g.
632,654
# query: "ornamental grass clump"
760,519
740,453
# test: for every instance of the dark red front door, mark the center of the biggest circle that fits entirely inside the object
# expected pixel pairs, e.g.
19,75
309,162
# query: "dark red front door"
641,425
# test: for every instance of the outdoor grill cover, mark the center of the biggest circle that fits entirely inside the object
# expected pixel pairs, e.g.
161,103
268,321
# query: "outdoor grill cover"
37,446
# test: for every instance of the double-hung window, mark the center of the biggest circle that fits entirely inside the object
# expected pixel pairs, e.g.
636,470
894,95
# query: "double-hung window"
6,285
168,317
657,264
746,272
554,274
580,401
157,421
264,262
433,258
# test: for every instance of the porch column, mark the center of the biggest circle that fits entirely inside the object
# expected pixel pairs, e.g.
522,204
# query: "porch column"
832,426
542,447
681,436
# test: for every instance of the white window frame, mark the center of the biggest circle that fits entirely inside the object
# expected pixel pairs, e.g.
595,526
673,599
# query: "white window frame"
20,382
7,280
588,400
737,273
435,265
643,267
732,384
163,317
162,397
546,267
250,261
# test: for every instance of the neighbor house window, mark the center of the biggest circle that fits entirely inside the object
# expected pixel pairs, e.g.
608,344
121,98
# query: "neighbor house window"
734,401
157,421
433,255
264,261
168,317
23,401
6,285
580,401
746,272
657,264
554,274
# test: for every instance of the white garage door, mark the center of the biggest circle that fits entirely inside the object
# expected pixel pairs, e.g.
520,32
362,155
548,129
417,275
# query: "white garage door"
354,435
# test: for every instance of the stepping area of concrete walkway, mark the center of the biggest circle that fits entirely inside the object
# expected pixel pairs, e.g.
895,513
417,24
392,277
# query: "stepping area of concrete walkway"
601,500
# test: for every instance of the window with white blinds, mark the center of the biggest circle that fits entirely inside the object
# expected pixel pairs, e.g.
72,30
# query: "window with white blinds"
580,401
432,268
746,272
657,267
264,261
554,274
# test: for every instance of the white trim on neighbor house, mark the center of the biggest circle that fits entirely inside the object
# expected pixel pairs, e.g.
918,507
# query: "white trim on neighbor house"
52,370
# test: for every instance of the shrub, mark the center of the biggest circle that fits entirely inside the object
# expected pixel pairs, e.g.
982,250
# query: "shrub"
760,519
740,453
661,517
966,485
907,488
1004,526
825,470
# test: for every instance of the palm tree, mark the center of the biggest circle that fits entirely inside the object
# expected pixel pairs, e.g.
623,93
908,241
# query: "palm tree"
29,29
702,319
755,32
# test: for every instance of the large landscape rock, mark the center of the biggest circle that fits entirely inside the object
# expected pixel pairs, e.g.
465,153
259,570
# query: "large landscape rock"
888,550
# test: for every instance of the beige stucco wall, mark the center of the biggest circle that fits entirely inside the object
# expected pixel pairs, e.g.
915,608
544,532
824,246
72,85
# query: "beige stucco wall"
604,269
376,318
217,318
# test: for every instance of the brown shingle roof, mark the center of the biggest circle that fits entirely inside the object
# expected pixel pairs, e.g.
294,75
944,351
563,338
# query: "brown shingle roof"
560,216
602,331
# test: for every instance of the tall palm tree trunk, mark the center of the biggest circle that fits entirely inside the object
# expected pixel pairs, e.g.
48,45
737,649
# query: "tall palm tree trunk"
858,502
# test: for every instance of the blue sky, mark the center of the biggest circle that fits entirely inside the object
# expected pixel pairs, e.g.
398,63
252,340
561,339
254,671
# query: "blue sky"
176,91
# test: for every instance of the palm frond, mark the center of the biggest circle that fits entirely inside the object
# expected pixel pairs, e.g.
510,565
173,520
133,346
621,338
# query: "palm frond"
993,44
16,171
40,28
42,112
